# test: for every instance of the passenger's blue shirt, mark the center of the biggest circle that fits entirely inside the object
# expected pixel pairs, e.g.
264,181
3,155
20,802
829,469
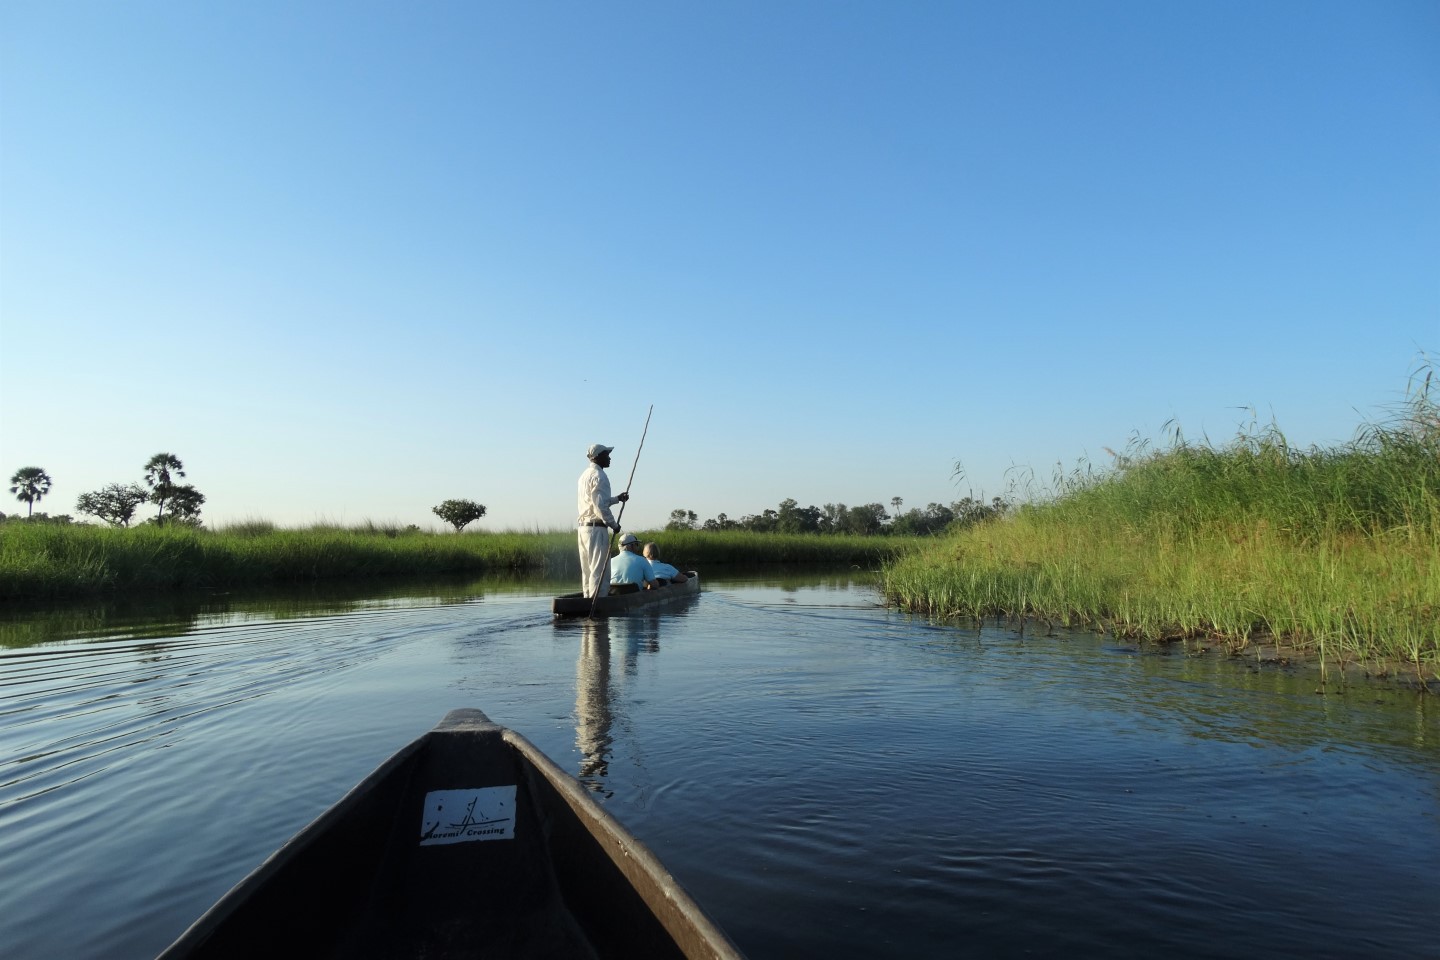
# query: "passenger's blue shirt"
663,569
630,568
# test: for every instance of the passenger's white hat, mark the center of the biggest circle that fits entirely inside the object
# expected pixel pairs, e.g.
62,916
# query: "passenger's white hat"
628,539
596,449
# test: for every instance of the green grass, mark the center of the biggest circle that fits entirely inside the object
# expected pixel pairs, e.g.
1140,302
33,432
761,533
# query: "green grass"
700,548
47,560
1332,550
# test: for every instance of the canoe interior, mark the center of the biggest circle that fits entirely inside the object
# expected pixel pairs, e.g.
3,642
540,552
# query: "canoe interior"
578,605
358,882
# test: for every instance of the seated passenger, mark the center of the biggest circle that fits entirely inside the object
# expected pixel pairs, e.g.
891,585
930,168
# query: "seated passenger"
664,572
629,569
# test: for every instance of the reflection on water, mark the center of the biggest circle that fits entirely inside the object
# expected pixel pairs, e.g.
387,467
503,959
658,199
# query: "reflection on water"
594,708
168,615
1205,696
828,777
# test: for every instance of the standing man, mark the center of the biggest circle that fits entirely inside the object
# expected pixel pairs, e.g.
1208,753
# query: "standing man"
596,522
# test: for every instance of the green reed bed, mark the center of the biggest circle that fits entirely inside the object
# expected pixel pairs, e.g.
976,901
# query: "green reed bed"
52,560
703,548
1336,551
41,560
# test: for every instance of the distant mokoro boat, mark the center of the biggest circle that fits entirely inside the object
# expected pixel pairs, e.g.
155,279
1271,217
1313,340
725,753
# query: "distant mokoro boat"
578,605
469,842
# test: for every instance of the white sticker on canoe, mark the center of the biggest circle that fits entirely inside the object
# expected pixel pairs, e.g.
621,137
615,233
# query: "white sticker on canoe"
459,816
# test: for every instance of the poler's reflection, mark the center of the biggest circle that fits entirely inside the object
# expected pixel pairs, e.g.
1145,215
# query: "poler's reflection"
594,709
596,687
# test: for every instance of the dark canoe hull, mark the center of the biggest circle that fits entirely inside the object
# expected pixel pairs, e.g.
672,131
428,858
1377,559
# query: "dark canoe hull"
469,842
578,605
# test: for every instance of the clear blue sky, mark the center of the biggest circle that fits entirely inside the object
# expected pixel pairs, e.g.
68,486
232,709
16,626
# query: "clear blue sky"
349,259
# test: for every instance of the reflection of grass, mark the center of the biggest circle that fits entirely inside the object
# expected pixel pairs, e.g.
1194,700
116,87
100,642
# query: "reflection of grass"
1337,550
131,616
54,560
167,614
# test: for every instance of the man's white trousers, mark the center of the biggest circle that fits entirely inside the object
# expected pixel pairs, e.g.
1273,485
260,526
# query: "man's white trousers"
595,560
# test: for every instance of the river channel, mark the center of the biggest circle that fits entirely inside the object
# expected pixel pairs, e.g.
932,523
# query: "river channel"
827,777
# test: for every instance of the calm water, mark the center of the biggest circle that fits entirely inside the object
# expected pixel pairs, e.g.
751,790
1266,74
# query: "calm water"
828,778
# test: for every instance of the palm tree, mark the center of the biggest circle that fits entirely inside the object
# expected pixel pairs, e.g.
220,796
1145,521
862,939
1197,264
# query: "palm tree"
158,477
30,484
895,502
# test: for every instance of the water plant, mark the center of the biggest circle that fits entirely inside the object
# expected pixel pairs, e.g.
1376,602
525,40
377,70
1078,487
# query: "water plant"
1335,550
58,560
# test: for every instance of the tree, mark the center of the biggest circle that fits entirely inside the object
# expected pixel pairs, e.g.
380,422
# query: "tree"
970,511
720,522
457,513
895,502
682,519
158,477
184,503
793,518
29,484
115,504
921,523
763,522
864,520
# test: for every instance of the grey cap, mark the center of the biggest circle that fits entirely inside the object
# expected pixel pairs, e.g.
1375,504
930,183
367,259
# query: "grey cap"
596,449
628,539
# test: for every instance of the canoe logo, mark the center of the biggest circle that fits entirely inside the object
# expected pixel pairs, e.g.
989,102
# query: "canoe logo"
460,816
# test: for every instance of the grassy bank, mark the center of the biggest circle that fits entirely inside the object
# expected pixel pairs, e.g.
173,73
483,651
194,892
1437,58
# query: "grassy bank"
44,560
1336,551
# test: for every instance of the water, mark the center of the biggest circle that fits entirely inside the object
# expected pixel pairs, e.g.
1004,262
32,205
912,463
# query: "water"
827,777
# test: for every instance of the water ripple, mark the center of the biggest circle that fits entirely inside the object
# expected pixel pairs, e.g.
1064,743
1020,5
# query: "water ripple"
829,778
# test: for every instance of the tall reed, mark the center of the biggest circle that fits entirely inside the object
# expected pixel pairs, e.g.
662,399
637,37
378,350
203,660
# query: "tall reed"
56,560
1335,549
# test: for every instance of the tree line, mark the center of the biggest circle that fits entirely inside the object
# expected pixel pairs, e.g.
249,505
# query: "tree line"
177,503
117,503
868,519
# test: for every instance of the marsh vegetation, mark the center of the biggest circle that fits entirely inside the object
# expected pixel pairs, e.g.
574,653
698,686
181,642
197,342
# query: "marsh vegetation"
1249,543
61,560
1332,551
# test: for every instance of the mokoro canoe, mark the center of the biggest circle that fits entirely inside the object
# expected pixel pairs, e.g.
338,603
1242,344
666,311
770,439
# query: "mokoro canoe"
578,605
469,842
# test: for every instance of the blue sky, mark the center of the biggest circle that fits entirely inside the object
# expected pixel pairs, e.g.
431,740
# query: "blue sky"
348,260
